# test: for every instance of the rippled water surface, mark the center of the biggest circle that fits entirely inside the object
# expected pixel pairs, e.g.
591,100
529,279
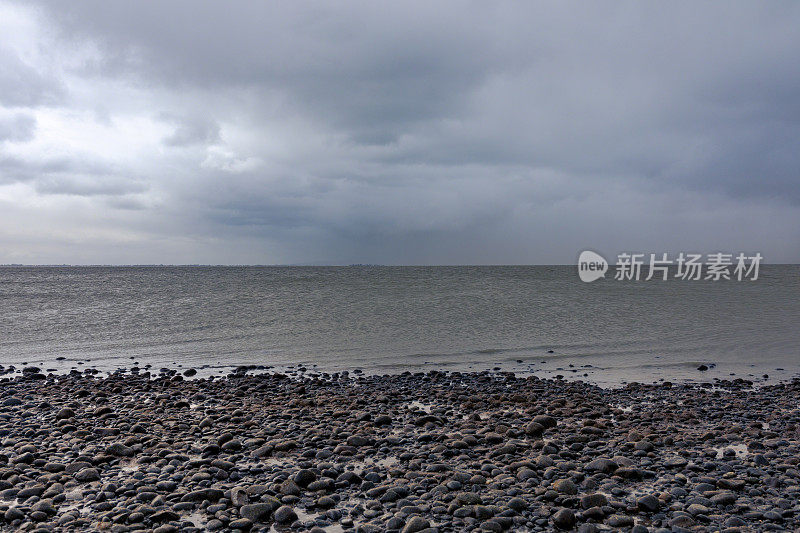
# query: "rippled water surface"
389,319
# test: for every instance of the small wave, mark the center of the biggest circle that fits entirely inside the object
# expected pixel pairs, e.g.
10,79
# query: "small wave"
674,364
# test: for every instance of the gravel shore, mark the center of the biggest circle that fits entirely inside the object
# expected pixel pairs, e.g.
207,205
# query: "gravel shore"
444,452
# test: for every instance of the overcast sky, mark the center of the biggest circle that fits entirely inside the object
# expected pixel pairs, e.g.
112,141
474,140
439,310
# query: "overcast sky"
402,132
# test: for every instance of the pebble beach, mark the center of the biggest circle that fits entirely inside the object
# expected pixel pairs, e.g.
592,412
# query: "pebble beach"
423,452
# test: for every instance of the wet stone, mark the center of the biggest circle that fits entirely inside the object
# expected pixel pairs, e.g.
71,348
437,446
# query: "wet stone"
432,451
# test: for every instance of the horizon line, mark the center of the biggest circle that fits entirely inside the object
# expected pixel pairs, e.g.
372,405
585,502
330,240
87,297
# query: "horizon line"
296,265
344,265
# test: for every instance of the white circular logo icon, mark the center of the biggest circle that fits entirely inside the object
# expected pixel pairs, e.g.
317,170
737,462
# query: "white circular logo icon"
591,266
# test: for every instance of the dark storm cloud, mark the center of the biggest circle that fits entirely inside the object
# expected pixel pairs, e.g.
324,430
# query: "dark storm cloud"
667,92
405,130
371,70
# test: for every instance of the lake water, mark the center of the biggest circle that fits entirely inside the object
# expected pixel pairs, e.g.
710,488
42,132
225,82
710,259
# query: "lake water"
527,319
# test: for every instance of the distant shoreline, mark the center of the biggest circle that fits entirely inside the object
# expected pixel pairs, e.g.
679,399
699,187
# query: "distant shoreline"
323,265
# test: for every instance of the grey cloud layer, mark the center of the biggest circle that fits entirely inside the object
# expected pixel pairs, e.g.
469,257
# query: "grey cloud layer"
191,131
17,127
411,132
22,84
